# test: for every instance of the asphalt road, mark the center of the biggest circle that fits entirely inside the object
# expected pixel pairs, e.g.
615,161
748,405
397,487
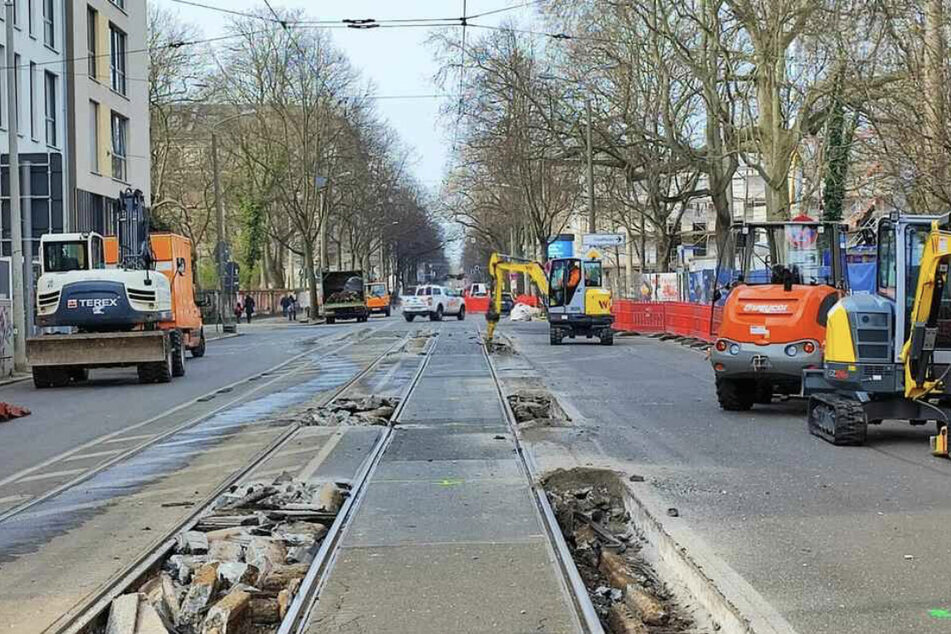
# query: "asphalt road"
836,539
112,400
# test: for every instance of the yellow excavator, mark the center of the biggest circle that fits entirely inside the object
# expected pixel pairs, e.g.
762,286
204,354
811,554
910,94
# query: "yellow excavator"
577,303
888,354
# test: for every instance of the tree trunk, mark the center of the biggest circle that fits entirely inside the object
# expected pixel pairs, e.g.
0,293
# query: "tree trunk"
311,278
934,107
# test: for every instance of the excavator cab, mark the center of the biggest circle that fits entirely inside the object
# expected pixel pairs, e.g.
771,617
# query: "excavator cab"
776,283
577,302
888,355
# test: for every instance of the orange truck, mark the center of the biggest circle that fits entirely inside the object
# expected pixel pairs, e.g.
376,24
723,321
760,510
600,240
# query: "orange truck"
776,282
137,311
378,298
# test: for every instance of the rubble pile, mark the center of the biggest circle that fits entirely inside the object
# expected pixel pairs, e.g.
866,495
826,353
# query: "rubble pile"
500,346
370,410
343,297
627,594
536,408
239,568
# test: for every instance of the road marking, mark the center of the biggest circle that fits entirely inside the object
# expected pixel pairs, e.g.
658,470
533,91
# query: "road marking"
14,498
51,474
308,471
277,471
128,438
95,454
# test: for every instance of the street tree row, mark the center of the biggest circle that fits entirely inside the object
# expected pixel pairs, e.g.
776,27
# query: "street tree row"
306,166
838,106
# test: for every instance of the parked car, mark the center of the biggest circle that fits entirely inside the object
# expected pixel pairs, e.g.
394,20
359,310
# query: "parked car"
508,303
434,302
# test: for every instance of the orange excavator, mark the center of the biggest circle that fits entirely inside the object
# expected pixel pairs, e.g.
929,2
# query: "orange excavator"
775,285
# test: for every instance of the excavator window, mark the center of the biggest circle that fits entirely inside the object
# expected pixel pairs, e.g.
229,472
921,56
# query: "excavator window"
915,239
97,256
59,257
887,261
592,274
563,281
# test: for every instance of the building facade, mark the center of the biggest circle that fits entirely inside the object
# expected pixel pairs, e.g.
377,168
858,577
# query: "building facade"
108,112
40,51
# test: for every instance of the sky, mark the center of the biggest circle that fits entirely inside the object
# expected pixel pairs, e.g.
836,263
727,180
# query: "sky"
398,60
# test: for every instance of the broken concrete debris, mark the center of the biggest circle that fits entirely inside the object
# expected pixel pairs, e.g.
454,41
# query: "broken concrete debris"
536,408
240,567
627,594
370,410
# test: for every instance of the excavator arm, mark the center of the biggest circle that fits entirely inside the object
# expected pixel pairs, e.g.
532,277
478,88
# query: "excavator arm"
499,265
918,352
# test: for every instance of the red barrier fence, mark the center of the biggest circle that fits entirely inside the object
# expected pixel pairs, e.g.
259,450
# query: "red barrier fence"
477,304
676,318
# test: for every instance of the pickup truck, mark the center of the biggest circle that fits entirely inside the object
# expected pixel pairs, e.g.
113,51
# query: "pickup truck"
434,302
344,296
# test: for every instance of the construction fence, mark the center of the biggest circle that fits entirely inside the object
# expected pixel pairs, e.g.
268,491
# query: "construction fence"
687,319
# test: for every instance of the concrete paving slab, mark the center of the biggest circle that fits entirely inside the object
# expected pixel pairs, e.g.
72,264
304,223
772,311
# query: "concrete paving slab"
435,444
461,426
436,471
344,461
450,510
458,588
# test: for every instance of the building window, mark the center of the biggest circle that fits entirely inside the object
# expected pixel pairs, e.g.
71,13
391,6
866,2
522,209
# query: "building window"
29,16
92,39
50,109
93,137
120,136
3,86
49,29
33,101
117,58
17,92
119,3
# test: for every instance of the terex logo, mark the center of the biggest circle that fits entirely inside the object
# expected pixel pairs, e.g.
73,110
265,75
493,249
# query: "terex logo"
766,308
98,305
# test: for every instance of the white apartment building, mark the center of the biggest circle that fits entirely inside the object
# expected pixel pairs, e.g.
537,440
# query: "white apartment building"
108,113
40,49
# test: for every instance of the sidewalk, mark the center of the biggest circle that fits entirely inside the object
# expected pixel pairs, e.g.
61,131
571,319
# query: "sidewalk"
448,537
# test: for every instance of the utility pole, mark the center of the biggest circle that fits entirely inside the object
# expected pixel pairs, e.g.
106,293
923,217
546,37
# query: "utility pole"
16,216
591,223
224,316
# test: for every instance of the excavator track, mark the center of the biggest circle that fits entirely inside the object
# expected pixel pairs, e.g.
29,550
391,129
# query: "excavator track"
837,419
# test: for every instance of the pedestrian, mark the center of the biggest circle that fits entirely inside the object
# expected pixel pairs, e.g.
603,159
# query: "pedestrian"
291,308
238,310
248,307
285,304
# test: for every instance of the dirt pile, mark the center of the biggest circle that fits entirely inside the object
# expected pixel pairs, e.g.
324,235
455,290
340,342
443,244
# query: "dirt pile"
536,408
627,594
371,410
240,567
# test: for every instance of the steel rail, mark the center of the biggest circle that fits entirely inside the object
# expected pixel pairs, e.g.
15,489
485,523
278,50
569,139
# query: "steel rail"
570,575
298,614
88,610
125,455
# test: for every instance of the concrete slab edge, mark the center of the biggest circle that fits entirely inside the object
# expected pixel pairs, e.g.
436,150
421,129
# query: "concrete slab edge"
680,553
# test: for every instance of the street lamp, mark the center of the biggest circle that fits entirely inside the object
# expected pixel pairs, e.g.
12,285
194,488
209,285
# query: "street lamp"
224,317
589,151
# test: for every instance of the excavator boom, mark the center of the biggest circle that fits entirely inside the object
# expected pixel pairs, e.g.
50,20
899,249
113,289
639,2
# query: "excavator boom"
918,351
499,265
